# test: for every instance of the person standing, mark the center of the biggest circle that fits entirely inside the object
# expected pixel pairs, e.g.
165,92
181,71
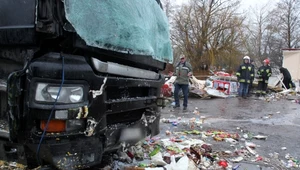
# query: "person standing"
264,73
287,78
252,78
183,71
244,75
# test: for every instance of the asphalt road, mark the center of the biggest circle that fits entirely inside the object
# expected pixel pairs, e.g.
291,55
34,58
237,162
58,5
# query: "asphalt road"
278,119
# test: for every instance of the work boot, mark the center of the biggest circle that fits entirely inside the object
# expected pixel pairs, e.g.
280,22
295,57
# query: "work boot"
176,107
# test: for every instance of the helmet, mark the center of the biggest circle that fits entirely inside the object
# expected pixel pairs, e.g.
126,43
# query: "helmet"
246,58
267,61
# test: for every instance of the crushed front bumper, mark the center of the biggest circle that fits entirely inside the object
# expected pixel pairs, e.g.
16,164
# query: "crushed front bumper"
78,151
115,104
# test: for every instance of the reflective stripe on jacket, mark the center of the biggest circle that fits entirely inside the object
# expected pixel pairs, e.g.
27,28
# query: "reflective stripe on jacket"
264,72
245,73
252,75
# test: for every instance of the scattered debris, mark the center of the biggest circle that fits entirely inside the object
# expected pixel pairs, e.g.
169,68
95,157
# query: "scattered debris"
224,85
223,163
183,150
90,128
251,150
291,162
236,167
168,132
260,137
230,140
250,145
237,159
227,85
216,93
100,91
11,165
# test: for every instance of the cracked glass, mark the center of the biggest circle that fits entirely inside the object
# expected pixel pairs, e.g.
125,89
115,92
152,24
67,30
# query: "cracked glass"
136,27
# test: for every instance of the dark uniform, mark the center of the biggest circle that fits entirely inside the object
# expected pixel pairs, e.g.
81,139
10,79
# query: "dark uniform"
287,80
244,74
252,78
264,72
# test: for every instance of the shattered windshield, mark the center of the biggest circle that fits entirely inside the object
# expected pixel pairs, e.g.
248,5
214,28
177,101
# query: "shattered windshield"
136,26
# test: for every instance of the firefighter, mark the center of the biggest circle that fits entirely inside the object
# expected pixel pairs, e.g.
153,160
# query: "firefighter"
287,78
264,72
252,78
244,74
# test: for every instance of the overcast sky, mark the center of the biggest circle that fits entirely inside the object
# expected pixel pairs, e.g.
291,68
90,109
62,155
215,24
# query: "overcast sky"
245,4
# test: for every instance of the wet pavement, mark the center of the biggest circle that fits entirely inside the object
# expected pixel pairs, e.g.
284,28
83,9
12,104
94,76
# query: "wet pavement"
277,119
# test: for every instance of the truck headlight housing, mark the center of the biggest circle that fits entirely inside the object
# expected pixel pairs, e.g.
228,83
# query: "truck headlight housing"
46,92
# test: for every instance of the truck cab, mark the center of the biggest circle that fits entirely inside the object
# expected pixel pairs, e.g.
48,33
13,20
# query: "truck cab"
79,78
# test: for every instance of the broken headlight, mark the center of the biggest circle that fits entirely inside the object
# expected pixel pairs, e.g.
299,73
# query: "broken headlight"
68,94
62,125
73,125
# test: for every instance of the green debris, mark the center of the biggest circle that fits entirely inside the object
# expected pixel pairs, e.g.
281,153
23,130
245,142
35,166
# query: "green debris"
174,149
155,151
195,132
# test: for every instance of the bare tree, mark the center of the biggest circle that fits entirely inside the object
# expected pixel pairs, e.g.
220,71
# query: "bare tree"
208,32
170,8
211,32
255,32
282,31
273,43
287,15
270,30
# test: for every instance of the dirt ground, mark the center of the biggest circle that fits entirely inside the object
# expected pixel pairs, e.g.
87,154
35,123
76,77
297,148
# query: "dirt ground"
277,119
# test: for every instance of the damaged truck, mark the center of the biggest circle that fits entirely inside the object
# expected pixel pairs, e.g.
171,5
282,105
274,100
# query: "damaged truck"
79,78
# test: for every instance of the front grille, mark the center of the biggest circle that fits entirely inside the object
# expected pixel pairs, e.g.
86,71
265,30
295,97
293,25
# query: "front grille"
114,93
124,117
